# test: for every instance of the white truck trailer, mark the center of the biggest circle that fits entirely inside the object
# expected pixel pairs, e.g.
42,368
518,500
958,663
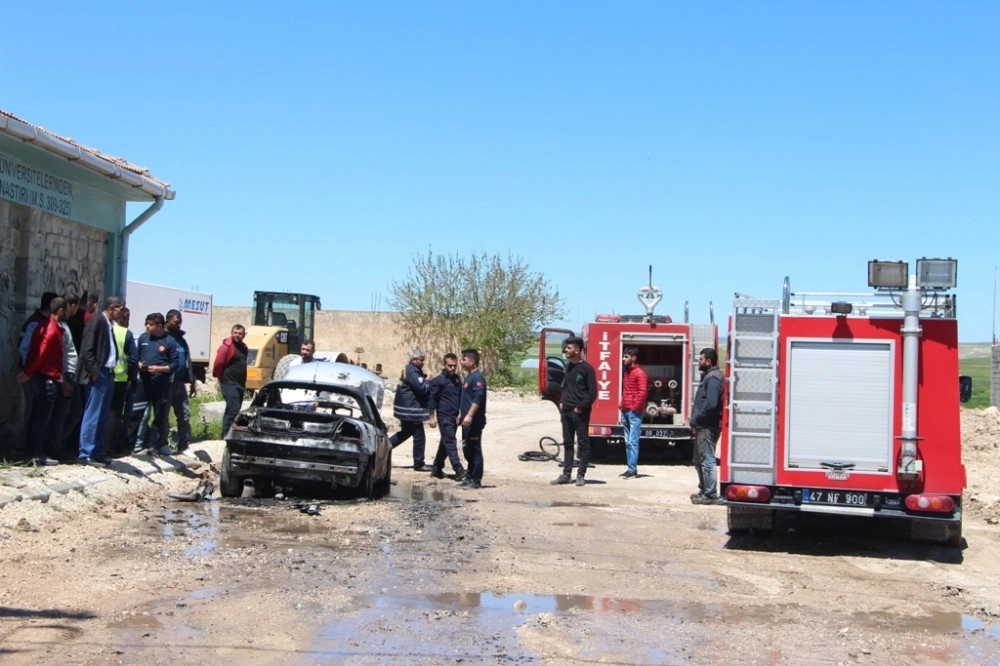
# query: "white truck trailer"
196,311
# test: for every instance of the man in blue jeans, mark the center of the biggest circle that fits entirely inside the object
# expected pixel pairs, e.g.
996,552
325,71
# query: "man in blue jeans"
635,386
706,417
230,368
98,355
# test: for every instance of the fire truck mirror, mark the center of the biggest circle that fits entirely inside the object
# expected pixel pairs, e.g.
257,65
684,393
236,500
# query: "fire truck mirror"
964,388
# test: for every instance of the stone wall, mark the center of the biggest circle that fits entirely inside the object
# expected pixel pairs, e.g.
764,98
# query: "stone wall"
379,334
38,253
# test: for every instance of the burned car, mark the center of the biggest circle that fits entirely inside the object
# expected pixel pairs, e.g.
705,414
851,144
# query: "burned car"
319,424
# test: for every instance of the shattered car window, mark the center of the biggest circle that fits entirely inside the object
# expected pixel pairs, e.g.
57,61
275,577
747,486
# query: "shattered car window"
307,400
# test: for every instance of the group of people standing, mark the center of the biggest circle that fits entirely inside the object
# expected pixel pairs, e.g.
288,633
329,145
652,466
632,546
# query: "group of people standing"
446,402
579,390
88,381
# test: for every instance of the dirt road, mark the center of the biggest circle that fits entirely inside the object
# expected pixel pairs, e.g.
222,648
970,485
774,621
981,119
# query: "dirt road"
519,572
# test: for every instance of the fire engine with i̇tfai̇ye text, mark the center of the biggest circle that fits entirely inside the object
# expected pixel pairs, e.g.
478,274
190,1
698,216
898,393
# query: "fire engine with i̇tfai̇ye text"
847,404
668,352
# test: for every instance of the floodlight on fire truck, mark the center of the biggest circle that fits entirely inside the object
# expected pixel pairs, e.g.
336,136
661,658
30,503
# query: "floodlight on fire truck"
937,273
888,274
841,308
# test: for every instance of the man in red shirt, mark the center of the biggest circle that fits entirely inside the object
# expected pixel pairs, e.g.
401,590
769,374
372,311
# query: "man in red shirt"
635,385
43,372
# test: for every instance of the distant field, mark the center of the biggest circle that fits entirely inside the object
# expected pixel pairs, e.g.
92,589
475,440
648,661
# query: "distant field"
974,350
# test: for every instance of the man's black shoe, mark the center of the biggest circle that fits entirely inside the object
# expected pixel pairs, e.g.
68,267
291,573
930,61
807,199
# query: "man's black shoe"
705,499
423,468
561,480
471,484
437,472
629,475
460,475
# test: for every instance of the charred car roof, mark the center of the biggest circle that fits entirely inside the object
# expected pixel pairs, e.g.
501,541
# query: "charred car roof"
342,375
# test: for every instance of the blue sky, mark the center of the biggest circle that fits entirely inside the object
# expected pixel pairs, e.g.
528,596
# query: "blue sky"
322,146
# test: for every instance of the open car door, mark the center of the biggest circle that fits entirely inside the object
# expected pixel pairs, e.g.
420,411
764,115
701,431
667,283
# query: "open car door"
551,365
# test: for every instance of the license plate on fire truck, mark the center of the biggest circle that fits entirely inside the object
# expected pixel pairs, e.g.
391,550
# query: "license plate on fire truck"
835,497
654,432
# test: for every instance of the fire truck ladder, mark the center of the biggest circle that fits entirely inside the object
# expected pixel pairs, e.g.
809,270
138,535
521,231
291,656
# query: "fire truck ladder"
753,366
702,336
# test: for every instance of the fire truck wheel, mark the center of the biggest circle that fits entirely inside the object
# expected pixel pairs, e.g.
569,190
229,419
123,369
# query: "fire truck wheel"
746,519
598,448
946,533
685,450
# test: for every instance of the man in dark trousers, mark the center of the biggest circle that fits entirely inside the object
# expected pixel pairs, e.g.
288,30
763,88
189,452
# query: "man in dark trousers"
183,378
410,407
98,356
443,403
579,390
706,418
43,373
230,368
158,361
39,316
472,415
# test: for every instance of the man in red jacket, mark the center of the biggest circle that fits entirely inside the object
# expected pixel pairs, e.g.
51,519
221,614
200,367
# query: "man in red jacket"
43,372
635,385
230,368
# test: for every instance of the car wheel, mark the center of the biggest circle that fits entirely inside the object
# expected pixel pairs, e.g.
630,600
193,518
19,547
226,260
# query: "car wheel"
367,486
385,483
230,485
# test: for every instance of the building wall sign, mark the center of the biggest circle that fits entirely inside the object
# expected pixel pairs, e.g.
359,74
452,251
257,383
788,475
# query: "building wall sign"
29,186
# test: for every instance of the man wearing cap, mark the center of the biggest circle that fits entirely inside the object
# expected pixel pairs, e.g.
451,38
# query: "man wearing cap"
410,407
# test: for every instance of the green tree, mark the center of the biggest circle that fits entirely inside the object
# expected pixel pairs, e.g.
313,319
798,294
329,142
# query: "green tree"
494,304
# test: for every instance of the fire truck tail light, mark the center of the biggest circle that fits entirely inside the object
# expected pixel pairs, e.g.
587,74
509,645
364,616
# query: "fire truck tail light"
939,503
748,493
599,430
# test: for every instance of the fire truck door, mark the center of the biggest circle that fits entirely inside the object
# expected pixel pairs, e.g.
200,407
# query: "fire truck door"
551,365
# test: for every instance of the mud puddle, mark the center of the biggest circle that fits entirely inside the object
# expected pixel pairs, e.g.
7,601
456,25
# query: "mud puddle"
396,616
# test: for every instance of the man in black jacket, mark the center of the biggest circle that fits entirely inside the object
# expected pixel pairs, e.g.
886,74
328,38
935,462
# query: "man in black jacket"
98,356
184,376
410,407
579,390
443,403
706,417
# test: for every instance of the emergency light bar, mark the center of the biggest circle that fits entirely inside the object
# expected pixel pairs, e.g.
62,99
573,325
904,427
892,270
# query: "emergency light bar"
937,273
888,274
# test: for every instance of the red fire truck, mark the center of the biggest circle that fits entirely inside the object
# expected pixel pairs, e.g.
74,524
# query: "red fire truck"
847,404
668,352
